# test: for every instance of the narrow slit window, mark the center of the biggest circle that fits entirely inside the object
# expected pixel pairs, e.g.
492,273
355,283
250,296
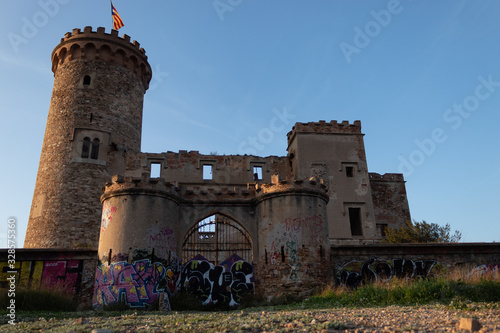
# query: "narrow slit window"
94,154
86,80
257,173
207,172
355,221
349,171
155,170
86,147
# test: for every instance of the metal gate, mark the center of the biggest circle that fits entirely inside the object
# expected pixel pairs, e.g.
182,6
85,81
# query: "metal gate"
216,238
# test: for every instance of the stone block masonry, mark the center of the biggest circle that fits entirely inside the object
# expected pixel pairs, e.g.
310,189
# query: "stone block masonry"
220,224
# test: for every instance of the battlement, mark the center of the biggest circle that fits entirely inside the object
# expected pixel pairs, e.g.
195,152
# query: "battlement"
121,185
311,186
99,45
322,127
389,177
217,192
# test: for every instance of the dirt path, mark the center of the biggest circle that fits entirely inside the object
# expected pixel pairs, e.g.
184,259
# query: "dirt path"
384,319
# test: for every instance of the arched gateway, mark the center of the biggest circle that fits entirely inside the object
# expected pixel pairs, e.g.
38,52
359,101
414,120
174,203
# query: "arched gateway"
217,238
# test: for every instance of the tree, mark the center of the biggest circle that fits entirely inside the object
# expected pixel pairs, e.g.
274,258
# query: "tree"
421,232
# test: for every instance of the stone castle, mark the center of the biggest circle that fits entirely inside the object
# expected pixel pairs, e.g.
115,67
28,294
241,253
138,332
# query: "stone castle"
265,224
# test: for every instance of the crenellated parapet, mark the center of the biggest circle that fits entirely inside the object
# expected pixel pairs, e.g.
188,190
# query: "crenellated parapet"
143,185
99,45
323,127
312,187
215,193
388,177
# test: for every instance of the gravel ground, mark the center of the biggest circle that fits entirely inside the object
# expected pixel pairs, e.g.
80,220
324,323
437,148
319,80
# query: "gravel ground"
383,319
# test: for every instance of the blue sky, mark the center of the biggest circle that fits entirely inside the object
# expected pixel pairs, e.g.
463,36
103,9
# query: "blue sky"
422,76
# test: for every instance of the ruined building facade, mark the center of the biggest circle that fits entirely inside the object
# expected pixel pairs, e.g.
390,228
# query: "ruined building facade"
267,222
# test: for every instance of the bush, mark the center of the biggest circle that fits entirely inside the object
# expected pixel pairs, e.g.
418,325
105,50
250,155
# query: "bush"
410,292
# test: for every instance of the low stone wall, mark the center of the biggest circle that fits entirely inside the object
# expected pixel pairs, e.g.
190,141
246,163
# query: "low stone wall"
71,270
354,265
75,270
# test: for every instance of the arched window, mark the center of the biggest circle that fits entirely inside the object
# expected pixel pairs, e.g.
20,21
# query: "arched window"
86,80
94,154
86,147
216,238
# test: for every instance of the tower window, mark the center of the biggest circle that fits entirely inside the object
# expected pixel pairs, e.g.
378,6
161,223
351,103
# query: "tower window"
257,173
355,221
349,171
155,170
207,172
86,147
94,154
86,80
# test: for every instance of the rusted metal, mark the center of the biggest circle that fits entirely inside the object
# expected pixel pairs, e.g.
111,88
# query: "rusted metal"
216,238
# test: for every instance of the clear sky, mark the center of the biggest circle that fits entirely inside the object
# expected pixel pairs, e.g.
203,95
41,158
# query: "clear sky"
422,76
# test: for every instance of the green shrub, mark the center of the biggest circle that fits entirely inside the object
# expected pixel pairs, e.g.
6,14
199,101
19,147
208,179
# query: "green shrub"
407,292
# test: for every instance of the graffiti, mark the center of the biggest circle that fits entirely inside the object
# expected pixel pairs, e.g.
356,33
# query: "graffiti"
485,270
357,273
291,248
273,255
226,283
163,241
136,284
107,215
63,274
295,273
312,223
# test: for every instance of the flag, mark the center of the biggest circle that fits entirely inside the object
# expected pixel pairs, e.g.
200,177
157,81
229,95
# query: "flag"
117,20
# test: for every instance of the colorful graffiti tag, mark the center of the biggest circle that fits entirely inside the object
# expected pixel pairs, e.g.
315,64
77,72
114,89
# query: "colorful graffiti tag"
492,270
107,215
64,274
226,283
356,273
136,284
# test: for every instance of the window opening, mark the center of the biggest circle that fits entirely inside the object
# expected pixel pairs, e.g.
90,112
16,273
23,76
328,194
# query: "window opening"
257,173
207,172
355,220
94,153
155,170
86,80
86,147
216,238
381,228
349,171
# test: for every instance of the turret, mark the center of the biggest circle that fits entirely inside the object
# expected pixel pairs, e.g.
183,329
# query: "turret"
95,118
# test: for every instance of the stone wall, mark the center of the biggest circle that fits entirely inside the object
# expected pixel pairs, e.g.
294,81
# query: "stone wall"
354,265
390,202
70,270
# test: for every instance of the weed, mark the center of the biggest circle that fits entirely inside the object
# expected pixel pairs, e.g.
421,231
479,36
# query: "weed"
40,299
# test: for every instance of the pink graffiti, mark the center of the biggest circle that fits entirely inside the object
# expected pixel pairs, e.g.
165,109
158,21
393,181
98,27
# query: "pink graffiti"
273,258
312,223
61,274
107,215
137,284
163,242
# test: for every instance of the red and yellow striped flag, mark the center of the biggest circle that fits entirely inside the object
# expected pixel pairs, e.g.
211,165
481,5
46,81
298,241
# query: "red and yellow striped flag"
117,20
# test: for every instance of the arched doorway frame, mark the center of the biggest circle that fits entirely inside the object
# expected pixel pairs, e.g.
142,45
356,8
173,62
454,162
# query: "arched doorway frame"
216,237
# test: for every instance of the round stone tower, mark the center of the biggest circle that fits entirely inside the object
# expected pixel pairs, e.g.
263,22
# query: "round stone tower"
294,251
95,118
